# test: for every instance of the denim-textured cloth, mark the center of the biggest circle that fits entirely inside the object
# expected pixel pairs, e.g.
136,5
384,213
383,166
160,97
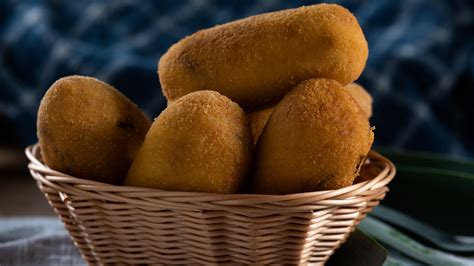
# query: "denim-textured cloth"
36,241
420,69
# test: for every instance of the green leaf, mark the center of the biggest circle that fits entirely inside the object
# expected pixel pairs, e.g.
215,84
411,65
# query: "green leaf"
430,160
359,249
396,239
434,189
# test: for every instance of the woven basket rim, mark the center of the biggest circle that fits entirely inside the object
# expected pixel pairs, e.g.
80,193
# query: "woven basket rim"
109,223
36,165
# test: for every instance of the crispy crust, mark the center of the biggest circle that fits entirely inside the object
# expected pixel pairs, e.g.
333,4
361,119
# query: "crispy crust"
361,96
255,61
88,129
316,139
200,142
257,121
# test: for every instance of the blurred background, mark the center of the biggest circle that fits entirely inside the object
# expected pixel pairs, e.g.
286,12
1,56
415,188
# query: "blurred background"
420,72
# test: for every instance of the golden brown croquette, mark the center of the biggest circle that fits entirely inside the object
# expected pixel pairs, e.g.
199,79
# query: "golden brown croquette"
200,142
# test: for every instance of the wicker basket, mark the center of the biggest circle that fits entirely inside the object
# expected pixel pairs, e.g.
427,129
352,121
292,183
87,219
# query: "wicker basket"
118,224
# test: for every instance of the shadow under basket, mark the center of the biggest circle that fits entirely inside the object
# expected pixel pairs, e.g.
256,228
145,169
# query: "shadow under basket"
119,224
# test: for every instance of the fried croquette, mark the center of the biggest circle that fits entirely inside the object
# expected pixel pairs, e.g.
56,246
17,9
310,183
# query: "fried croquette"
200,142
361,96
256,60
257,121
88,129
316,139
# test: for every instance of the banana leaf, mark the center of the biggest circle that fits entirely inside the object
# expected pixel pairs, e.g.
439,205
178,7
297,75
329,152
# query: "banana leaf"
427,159
359,249
416,251
434,189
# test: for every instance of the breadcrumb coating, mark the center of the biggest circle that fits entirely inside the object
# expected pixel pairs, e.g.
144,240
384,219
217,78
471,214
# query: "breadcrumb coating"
361,96
256,60
88,129
316,139
257,121
200,142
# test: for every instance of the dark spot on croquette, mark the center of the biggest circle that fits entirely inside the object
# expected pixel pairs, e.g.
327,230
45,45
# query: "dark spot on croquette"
43,131
122,124
315,184
190,64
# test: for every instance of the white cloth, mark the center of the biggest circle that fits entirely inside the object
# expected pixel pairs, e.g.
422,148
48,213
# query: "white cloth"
36,241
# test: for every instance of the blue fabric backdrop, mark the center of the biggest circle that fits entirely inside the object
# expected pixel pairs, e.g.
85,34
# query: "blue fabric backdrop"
420,69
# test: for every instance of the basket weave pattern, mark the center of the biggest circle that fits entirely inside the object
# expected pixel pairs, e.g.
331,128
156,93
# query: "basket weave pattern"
118,224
